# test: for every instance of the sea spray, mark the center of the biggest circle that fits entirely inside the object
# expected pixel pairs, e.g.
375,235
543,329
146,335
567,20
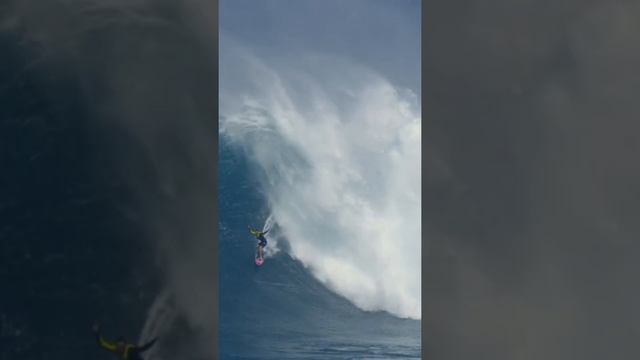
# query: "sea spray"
337,148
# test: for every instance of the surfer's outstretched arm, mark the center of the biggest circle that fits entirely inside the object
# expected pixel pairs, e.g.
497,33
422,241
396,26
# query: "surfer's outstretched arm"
101,341
148,345
255,233
106,345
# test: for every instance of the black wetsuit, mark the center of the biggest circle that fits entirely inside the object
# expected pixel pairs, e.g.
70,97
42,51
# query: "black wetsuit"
263,240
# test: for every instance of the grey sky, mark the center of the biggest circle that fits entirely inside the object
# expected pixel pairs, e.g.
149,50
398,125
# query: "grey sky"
384,35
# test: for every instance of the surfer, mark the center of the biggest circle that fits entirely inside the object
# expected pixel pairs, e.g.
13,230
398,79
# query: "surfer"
124,349
262,241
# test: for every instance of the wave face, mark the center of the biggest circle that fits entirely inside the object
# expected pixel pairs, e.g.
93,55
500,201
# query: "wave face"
279,310
337,151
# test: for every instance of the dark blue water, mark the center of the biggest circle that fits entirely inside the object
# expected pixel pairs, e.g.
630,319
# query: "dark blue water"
68,256
279,311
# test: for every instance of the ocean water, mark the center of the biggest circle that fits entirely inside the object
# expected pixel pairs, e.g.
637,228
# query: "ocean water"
68,255
279,310
325,152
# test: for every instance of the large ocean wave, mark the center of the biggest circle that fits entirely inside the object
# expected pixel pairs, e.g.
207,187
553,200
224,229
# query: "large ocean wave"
337,148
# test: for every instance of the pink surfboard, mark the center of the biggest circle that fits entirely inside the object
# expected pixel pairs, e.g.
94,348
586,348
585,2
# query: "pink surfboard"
259,261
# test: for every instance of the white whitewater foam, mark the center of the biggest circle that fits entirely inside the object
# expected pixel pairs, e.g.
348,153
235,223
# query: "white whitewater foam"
338,147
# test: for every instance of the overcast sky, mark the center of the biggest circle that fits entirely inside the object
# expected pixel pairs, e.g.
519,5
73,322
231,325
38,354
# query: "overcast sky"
384,35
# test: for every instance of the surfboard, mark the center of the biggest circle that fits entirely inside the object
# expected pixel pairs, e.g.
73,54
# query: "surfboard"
259,261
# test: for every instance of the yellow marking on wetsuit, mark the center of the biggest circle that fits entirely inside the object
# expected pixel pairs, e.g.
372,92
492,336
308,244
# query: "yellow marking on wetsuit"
255,233
114,348
107,345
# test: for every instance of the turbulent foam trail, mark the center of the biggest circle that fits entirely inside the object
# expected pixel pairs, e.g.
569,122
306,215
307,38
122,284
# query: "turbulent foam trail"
268,224
273,236
338,148
159,319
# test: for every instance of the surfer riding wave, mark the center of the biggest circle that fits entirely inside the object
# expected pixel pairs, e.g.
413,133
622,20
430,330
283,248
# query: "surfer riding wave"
262,241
